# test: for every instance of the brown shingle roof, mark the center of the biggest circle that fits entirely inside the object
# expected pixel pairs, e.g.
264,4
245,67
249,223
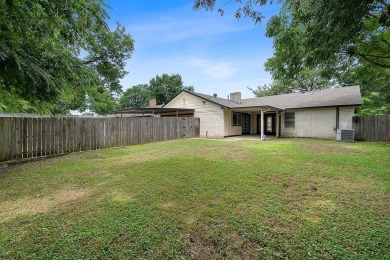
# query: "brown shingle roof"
346,96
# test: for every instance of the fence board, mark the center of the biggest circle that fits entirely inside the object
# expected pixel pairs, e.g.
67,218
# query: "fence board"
18,138
24,136
4,139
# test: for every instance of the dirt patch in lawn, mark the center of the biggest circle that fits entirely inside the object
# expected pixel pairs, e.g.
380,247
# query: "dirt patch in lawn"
231,246
224,152
118,196
331,148
41,203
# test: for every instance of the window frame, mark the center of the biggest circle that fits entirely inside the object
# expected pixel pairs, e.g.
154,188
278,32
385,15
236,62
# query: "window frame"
236,119
289,120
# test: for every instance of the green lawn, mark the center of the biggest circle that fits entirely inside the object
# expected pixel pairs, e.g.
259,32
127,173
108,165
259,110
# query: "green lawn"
282,198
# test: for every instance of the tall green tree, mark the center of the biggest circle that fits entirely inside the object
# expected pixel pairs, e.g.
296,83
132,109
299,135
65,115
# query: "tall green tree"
162,88
61,55
307,80
166,87
136,96
375,87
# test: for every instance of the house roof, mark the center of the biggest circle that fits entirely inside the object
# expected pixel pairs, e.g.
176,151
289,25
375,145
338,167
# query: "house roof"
157,106
346,96
153,111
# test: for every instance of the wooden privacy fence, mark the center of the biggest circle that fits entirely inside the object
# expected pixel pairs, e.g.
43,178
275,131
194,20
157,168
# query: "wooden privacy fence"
372,128
26,137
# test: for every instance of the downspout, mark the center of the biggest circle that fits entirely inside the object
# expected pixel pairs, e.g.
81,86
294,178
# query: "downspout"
277,124
337,118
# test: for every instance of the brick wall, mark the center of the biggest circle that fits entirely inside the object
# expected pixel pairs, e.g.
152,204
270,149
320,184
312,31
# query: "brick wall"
318,122
211,124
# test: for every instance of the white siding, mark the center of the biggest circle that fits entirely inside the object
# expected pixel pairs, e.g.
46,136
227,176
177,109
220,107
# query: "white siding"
318,122
210,114
230,129
345,119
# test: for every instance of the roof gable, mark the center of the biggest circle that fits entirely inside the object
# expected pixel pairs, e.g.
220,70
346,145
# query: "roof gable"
184,93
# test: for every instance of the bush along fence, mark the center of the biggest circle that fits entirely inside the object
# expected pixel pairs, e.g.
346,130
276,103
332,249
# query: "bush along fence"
29,137
372,128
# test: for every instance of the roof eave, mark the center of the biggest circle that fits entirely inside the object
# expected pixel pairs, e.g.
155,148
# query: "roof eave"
192,93
351,105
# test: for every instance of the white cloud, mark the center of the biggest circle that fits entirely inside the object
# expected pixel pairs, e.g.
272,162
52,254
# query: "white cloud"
213,69
174,27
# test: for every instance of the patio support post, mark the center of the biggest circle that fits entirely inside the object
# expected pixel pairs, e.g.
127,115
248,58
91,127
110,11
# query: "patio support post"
277,124
262,125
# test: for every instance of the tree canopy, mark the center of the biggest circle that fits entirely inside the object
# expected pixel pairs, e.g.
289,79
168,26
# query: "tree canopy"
162,88
136,96
60,55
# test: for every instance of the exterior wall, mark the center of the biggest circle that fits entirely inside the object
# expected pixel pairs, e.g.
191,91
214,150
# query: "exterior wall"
210,114
318,122
345,119
229,128
253,124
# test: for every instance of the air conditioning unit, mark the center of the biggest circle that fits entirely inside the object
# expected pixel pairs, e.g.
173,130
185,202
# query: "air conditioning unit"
345,135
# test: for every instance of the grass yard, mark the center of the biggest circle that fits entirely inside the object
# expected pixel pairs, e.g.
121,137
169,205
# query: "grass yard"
282,198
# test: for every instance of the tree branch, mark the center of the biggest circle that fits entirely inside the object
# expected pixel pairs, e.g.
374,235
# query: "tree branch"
373,62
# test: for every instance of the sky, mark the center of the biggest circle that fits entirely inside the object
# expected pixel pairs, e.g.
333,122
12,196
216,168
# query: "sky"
214,53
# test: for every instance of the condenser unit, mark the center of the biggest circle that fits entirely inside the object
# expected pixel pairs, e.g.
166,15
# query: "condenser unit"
345,135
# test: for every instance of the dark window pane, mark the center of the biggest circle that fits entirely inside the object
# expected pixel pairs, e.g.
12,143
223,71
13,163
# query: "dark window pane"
289,120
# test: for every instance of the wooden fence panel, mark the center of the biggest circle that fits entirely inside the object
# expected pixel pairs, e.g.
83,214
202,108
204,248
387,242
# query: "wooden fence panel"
4,139
26,137
372,128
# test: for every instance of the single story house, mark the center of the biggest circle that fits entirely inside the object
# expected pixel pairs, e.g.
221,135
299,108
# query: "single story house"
309,114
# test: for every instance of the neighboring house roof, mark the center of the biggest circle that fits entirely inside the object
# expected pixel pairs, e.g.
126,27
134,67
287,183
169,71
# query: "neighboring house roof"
346,96
158,106
153,110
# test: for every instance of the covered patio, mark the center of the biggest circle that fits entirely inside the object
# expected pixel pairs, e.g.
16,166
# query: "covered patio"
261,121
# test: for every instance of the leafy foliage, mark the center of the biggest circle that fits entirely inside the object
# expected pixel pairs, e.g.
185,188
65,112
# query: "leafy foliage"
275,88
162,88
328,35
375,88
306,80
166,87
136,96
61,53
247,10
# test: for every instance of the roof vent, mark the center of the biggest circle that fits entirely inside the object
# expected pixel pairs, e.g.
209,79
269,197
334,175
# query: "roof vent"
299,90
215,94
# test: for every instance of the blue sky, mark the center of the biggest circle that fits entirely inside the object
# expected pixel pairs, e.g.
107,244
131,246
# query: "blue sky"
214,53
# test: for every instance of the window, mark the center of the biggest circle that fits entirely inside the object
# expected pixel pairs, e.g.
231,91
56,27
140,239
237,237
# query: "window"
269,124
236,118
289,120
